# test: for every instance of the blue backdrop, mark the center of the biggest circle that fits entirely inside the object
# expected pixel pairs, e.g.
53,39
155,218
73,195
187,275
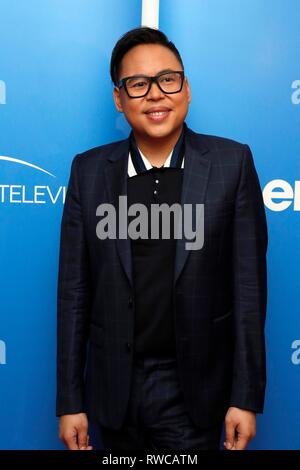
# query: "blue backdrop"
242,60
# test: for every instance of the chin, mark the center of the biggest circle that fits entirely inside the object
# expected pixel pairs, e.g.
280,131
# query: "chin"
160,131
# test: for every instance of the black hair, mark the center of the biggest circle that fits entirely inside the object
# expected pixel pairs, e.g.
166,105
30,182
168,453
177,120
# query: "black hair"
135,37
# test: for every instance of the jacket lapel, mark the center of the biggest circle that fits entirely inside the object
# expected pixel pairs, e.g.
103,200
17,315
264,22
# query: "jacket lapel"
116,185
194,186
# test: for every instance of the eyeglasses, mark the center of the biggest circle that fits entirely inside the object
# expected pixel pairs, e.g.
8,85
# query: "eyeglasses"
138,86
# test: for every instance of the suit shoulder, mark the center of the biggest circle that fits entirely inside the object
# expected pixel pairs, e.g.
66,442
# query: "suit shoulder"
100,152
215,142
222,142
220,150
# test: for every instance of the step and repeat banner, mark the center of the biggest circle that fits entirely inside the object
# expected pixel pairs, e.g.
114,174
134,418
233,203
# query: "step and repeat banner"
242,60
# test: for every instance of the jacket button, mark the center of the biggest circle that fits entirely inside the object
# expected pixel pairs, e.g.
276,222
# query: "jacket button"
130,302
128,346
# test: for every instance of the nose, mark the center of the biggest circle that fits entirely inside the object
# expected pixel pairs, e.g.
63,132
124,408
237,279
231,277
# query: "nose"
155,92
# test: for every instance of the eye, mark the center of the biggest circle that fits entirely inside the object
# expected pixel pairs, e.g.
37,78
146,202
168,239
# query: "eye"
139,84
167,79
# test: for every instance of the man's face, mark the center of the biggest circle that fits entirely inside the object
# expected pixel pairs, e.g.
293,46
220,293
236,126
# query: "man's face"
150,59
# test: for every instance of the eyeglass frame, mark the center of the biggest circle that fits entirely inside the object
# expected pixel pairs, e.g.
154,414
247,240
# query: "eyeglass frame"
154,79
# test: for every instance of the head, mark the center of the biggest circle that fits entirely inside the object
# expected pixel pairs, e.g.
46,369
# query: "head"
147,51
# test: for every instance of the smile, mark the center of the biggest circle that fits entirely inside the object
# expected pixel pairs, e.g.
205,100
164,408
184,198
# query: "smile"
158,115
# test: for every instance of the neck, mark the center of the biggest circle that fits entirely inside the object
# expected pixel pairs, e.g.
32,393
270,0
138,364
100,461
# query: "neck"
157,149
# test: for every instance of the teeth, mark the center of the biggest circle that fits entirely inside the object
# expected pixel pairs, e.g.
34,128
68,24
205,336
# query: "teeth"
158,113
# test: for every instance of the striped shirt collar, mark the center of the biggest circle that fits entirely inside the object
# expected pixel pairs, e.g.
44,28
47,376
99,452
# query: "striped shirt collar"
138,162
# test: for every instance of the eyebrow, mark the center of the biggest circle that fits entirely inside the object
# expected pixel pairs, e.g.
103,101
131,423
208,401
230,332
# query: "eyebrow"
144,75
165,70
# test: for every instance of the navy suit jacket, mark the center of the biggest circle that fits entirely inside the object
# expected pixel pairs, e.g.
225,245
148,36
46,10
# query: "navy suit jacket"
219,291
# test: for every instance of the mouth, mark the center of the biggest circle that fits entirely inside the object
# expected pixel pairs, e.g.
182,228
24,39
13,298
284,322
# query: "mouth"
158,115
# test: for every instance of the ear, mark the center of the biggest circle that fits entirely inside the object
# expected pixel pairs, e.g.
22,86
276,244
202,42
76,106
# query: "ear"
117,99
188,89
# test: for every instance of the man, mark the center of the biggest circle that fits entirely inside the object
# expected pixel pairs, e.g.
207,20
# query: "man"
157,343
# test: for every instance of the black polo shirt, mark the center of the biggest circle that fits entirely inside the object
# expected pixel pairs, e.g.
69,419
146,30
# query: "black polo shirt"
153,259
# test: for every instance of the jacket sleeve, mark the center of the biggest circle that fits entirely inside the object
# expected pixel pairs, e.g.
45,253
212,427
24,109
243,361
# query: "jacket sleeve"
73,302
250,241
